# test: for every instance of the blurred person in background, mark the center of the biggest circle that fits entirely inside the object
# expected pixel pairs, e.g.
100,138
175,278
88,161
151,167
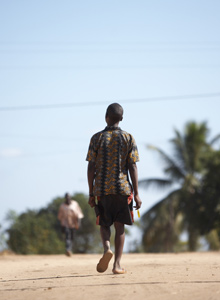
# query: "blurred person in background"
69,215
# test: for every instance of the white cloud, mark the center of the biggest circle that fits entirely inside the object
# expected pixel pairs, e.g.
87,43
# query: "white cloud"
10,152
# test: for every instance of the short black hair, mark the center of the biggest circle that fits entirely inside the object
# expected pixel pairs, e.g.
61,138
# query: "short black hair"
114,112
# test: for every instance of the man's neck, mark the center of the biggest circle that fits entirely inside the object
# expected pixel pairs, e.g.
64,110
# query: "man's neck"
109,124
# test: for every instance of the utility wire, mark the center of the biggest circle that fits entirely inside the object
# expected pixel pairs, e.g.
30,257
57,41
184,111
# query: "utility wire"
110,67
75,104
107,50
193,43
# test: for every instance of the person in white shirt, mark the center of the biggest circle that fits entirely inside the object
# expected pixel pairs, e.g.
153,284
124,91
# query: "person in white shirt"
69,215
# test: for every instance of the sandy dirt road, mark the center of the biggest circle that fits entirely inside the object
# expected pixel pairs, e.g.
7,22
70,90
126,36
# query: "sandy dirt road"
188,276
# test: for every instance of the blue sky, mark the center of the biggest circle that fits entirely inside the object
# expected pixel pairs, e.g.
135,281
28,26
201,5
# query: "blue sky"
78,52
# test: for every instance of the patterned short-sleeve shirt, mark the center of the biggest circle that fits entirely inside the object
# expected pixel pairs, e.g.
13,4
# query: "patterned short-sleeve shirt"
112,150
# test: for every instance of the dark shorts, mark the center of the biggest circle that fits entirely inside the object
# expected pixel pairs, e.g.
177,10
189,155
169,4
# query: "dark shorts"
114,208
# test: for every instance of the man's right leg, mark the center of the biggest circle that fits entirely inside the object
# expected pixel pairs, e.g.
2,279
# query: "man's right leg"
104,261
105,232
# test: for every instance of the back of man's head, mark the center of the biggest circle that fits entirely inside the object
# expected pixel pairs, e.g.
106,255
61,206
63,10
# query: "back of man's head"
114,112
67,198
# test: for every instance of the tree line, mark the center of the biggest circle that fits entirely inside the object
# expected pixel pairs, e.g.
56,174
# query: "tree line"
39,231
191,206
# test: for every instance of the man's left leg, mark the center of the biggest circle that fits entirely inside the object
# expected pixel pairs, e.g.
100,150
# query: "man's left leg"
69,236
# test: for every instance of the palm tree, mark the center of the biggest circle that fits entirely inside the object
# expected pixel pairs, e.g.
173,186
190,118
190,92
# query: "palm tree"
179,210
210,213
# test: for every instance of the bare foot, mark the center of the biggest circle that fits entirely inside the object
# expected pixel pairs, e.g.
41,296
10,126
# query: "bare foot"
119,271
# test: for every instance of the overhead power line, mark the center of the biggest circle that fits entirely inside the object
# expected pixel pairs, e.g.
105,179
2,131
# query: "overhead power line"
38,47
105,67
113,42
93,103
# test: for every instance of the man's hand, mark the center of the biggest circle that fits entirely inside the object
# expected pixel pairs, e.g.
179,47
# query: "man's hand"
138,201
91,177
134,178
91,201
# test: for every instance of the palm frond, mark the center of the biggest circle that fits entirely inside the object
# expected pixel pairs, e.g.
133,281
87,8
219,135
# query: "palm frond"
215,139
170,163
195,143
161,210
163,155
165,200
174,173
155,183
180,152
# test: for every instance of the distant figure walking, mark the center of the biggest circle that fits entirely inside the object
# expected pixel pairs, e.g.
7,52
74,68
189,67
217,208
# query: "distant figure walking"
112,155
69,215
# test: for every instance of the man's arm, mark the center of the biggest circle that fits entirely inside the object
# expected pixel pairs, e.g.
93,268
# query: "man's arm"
91,177
134,178
60,213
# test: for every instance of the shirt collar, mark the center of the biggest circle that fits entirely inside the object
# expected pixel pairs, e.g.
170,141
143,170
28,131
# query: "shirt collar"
112,128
